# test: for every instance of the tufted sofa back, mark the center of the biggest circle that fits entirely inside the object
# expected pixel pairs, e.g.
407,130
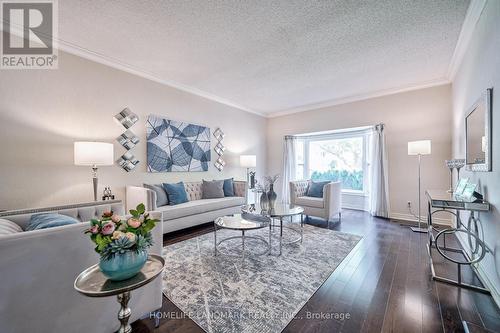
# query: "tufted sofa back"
298,189
82,212
194,191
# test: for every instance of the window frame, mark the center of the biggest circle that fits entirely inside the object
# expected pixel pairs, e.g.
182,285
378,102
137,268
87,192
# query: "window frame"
336,136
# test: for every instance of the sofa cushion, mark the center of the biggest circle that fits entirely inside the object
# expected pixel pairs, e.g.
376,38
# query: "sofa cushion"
176,193
8,227
316,189
199,206
161,195
49,220
228,187
212,189
310,202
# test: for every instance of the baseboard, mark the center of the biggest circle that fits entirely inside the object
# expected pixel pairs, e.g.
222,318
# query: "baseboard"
495,293
411,218
354,207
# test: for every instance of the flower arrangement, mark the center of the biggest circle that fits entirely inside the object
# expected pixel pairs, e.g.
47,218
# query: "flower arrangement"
270,180
114,236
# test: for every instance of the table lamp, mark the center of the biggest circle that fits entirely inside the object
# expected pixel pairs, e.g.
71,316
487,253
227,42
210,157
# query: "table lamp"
249,161
419,148
93,154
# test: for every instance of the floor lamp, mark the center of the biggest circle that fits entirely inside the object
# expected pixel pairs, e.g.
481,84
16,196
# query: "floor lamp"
93,154
419,148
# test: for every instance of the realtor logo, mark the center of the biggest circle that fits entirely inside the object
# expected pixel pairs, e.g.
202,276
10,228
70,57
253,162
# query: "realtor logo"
29,33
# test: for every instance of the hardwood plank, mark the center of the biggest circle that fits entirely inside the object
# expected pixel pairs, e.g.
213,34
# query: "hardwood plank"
384,285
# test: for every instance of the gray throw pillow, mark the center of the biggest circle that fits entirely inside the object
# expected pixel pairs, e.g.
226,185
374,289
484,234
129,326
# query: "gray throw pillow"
8,227
161,195
212,189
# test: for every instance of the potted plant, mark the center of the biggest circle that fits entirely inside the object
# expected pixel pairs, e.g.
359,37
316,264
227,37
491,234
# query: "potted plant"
122,244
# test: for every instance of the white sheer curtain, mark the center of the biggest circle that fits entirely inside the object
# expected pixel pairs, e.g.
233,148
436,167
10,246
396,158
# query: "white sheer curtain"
289,163
379,181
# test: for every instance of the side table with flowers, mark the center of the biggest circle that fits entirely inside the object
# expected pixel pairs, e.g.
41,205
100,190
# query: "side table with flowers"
123,246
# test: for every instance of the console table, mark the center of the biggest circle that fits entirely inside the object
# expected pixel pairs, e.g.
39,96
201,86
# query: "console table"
443,201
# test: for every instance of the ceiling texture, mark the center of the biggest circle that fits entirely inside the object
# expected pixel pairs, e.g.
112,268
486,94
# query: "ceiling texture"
270,57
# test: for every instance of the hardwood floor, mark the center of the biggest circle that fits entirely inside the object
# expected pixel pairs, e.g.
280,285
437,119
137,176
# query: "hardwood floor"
383,285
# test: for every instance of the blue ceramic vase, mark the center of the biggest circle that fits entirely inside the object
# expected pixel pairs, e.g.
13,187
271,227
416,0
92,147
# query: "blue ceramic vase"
123,266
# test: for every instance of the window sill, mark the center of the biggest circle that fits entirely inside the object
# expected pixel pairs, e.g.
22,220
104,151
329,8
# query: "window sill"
354,193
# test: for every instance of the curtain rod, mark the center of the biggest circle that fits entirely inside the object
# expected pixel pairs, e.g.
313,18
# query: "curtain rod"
333,132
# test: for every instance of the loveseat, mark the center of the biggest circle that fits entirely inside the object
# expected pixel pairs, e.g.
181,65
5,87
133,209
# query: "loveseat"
194,212
38,269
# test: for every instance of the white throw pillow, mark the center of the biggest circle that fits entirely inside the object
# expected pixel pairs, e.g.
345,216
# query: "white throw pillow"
8,227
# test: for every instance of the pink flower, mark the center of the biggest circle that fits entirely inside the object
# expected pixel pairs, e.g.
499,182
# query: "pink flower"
116,218
108,228
131,236
134,223
94,229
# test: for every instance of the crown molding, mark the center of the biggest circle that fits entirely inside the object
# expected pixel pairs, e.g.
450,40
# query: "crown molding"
472,16
123,66
359,97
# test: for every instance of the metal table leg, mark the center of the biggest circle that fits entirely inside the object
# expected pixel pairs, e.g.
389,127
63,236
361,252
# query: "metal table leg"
270,226
124,313
215,240
243,244
301,227
281,232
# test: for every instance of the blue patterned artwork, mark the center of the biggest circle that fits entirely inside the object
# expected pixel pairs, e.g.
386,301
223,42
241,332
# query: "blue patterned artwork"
176,146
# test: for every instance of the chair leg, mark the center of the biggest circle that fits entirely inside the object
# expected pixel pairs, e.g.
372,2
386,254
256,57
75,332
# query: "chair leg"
340,216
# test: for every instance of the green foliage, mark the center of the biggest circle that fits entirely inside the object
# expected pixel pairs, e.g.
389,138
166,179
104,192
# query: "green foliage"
118,246
109,245
352,180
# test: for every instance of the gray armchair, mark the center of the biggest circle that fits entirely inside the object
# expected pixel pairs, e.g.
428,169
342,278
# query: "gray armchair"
328,207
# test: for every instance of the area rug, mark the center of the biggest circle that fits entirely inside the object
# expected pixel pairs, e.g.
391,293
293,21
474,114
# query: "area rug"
257,294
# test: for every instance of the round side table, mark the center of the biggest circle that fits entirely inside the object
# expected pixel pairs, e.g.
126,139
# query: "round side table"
91,282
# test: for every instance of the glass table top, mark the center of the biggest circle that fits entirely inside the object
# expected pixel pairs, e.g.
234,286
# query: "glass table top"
242,222
280,210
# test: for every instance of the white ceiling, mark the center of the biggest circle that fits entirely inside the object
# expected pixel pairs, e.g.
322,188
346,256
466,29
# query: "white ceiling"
271,56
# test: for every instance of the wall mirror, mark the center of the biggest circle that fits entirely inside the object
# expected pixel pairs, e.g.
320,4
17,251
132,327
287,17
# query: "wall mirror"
478,134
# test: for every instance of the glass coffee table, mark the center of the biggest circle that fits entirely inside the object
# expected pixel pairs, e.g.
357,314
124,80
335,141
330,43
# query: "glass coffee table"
280,213
242,223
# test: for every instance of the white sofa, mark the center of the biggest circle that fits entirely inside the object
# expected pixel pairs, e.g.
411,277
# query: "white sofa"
194,212
38,269
328,207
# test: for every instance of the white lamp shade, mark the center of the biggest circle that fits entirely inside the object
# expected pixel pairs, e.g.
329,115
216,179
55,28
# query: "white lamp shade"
93,153
248,161
421,147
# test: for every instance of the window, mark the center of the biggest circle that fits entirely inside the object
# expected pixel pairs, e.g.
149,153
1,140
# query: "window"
336,157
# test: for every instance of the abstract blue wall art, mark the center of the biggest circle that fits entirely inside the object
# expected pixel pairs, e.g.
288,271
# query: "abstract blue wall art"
176,146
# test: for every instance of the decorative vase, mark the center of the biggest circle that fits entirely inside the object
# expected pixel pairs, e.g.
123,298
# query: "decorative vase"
123,266
264,202
271,196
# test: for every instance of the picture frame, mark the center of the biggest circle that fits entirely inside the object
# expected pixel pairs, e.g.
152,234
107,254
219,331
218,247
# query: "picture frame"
462,183
468,192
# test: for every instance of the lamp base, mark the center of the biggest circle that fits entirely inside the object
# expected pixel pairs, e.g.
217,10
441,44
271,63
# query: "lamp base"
417,229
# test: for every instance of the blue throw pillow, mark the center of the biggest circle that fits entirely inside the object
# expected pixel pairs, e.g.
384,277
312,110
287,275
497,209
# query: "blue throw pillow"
228,187
176,193
49,220
316,189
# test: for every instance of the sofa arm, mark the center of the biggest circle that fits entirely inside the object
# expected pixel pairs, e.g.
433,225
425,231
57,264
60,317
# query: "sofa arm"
240,188
333,199
136,195
298,189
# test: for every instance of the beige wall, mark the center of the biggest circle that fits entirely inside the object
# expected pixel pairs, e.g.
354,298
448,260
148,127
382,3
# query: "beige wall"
480,70
42,112
415,115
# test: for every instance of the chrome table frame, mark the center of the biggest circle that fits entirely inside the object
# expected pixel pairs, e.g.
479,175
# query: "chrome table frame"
243,237
120,289
454,206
